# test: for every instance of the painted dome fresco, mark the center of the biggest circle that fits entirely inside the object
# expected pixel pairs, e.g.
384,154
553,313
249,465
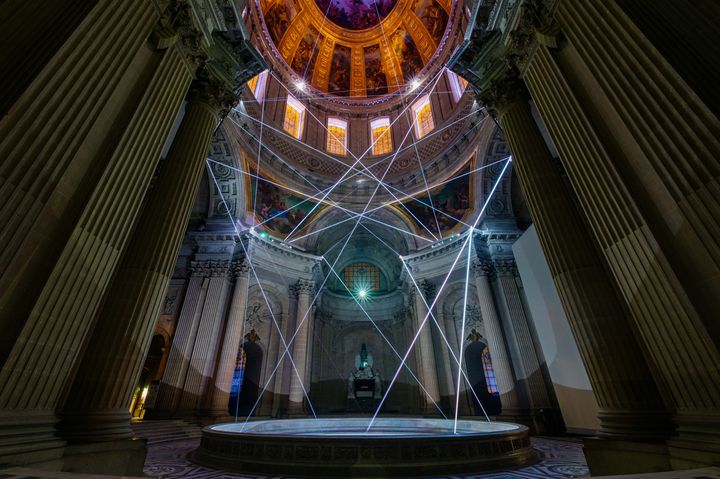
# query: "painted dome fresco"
356,48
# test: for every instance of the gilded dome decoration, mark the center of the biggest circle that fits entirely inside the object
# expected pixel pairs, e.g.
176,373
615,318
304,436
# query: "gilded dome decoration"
356,48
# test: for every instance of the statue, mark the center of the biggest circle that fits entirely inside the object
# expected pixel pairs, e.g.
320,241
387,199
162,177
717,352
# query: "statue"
364,382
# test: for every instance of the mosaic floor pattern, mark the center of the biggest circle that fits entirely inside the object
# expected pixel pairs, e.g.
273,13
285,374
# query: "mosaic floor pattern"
563,460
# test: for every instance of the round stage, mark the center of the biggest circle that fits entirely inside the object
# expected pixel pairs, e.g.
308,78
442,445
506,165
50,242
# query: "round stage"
340,447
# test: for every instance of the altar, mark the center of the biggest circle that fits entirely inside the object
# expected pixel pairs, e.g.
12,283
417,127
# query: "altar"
364,385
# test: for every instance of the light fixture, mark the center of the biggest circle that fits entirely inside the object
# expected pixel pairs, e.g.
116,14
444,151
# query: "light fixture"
415,84
362,293
300,85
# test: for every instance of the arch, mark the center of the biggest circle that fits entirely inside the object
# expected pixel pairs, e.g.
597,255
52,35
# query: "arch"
245,388
475,365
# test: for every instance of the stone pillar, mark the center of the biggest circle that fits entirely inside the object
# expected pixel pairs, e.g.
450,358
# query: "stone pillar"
97,406
520,339
232,341
204,351
631,406
425,351
59,133
496,339
44,356
173,379
670,327
304,289
447,361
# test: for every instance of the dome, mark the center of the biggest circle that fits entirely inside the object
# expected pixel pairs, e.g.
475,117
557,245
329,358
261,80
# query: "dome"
355,49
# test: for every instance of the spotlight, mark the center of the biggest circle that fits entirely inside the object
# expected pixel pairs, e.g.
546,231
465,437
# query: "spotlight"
264,235
300,85
415,84
362,294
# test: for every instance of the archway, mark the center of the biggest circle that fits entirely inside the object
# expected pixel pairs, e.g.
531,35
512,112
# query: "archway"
482,378
246,381
147,376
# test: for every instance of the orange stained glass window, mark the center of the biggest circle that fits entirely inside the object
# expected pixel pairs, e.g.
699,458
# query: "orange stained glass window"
336,136
294,117
257,85
381,137
422,112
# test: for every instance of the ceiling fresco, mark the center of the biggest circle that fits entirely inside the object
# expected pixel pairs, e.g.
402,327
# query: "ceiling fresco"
452,199
360,48
356,14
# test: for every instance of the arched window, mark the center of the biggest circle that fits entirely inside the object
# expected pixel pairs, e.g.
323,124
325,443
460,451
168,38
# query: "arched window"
336,136
422,113
490,380
380,136
362,276
257,85
294,117
457,85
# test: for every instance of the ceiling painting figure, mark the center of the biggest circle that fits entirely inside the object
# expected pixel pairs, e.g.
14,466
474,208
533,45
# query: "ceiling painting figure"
278,18
356,14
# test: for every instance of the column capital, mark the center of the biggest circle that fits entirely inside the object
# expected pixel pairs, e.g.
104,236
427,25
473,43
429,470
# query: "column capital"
505,266
219,269
177,27
213,91
239,268
304,287
199,269
481,267
427,288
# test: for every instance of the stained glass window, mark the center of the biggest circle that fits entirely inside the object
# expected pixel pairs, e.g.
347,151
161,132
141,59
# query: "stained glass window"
457,85
257,85
422,112
294,117
337,136
362,276
381,137
489,372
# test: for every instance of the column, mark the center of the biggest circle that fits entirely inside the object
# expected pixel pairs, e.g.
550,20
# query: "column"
97,406
56,133
425,352
204,352
520,339
496,339
619,212
173,380
631,406
299,347
44,355
446,360
232,341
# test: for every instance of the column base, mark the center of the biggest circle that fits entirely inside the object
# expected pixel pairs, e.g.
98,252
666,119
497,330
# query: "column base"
95,426
546,421
697,443
119,458
635,426
611,456
28,437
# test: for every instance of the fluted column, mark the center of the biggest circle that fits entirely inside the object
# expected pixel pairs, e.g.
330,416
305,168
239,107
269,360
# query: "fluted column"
231,341
630,403
496,339
58,133
447,362
97,407
425,352
519,336
43,357
204,352
304,289
671,329
176,368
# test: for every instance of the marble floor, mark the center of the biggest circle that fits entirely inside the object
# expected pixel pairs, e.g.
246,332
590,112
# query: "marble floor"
563,460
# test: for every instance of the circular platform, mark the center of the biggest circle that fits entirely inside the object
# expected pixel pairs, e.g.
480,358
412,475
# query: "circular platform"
340,447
